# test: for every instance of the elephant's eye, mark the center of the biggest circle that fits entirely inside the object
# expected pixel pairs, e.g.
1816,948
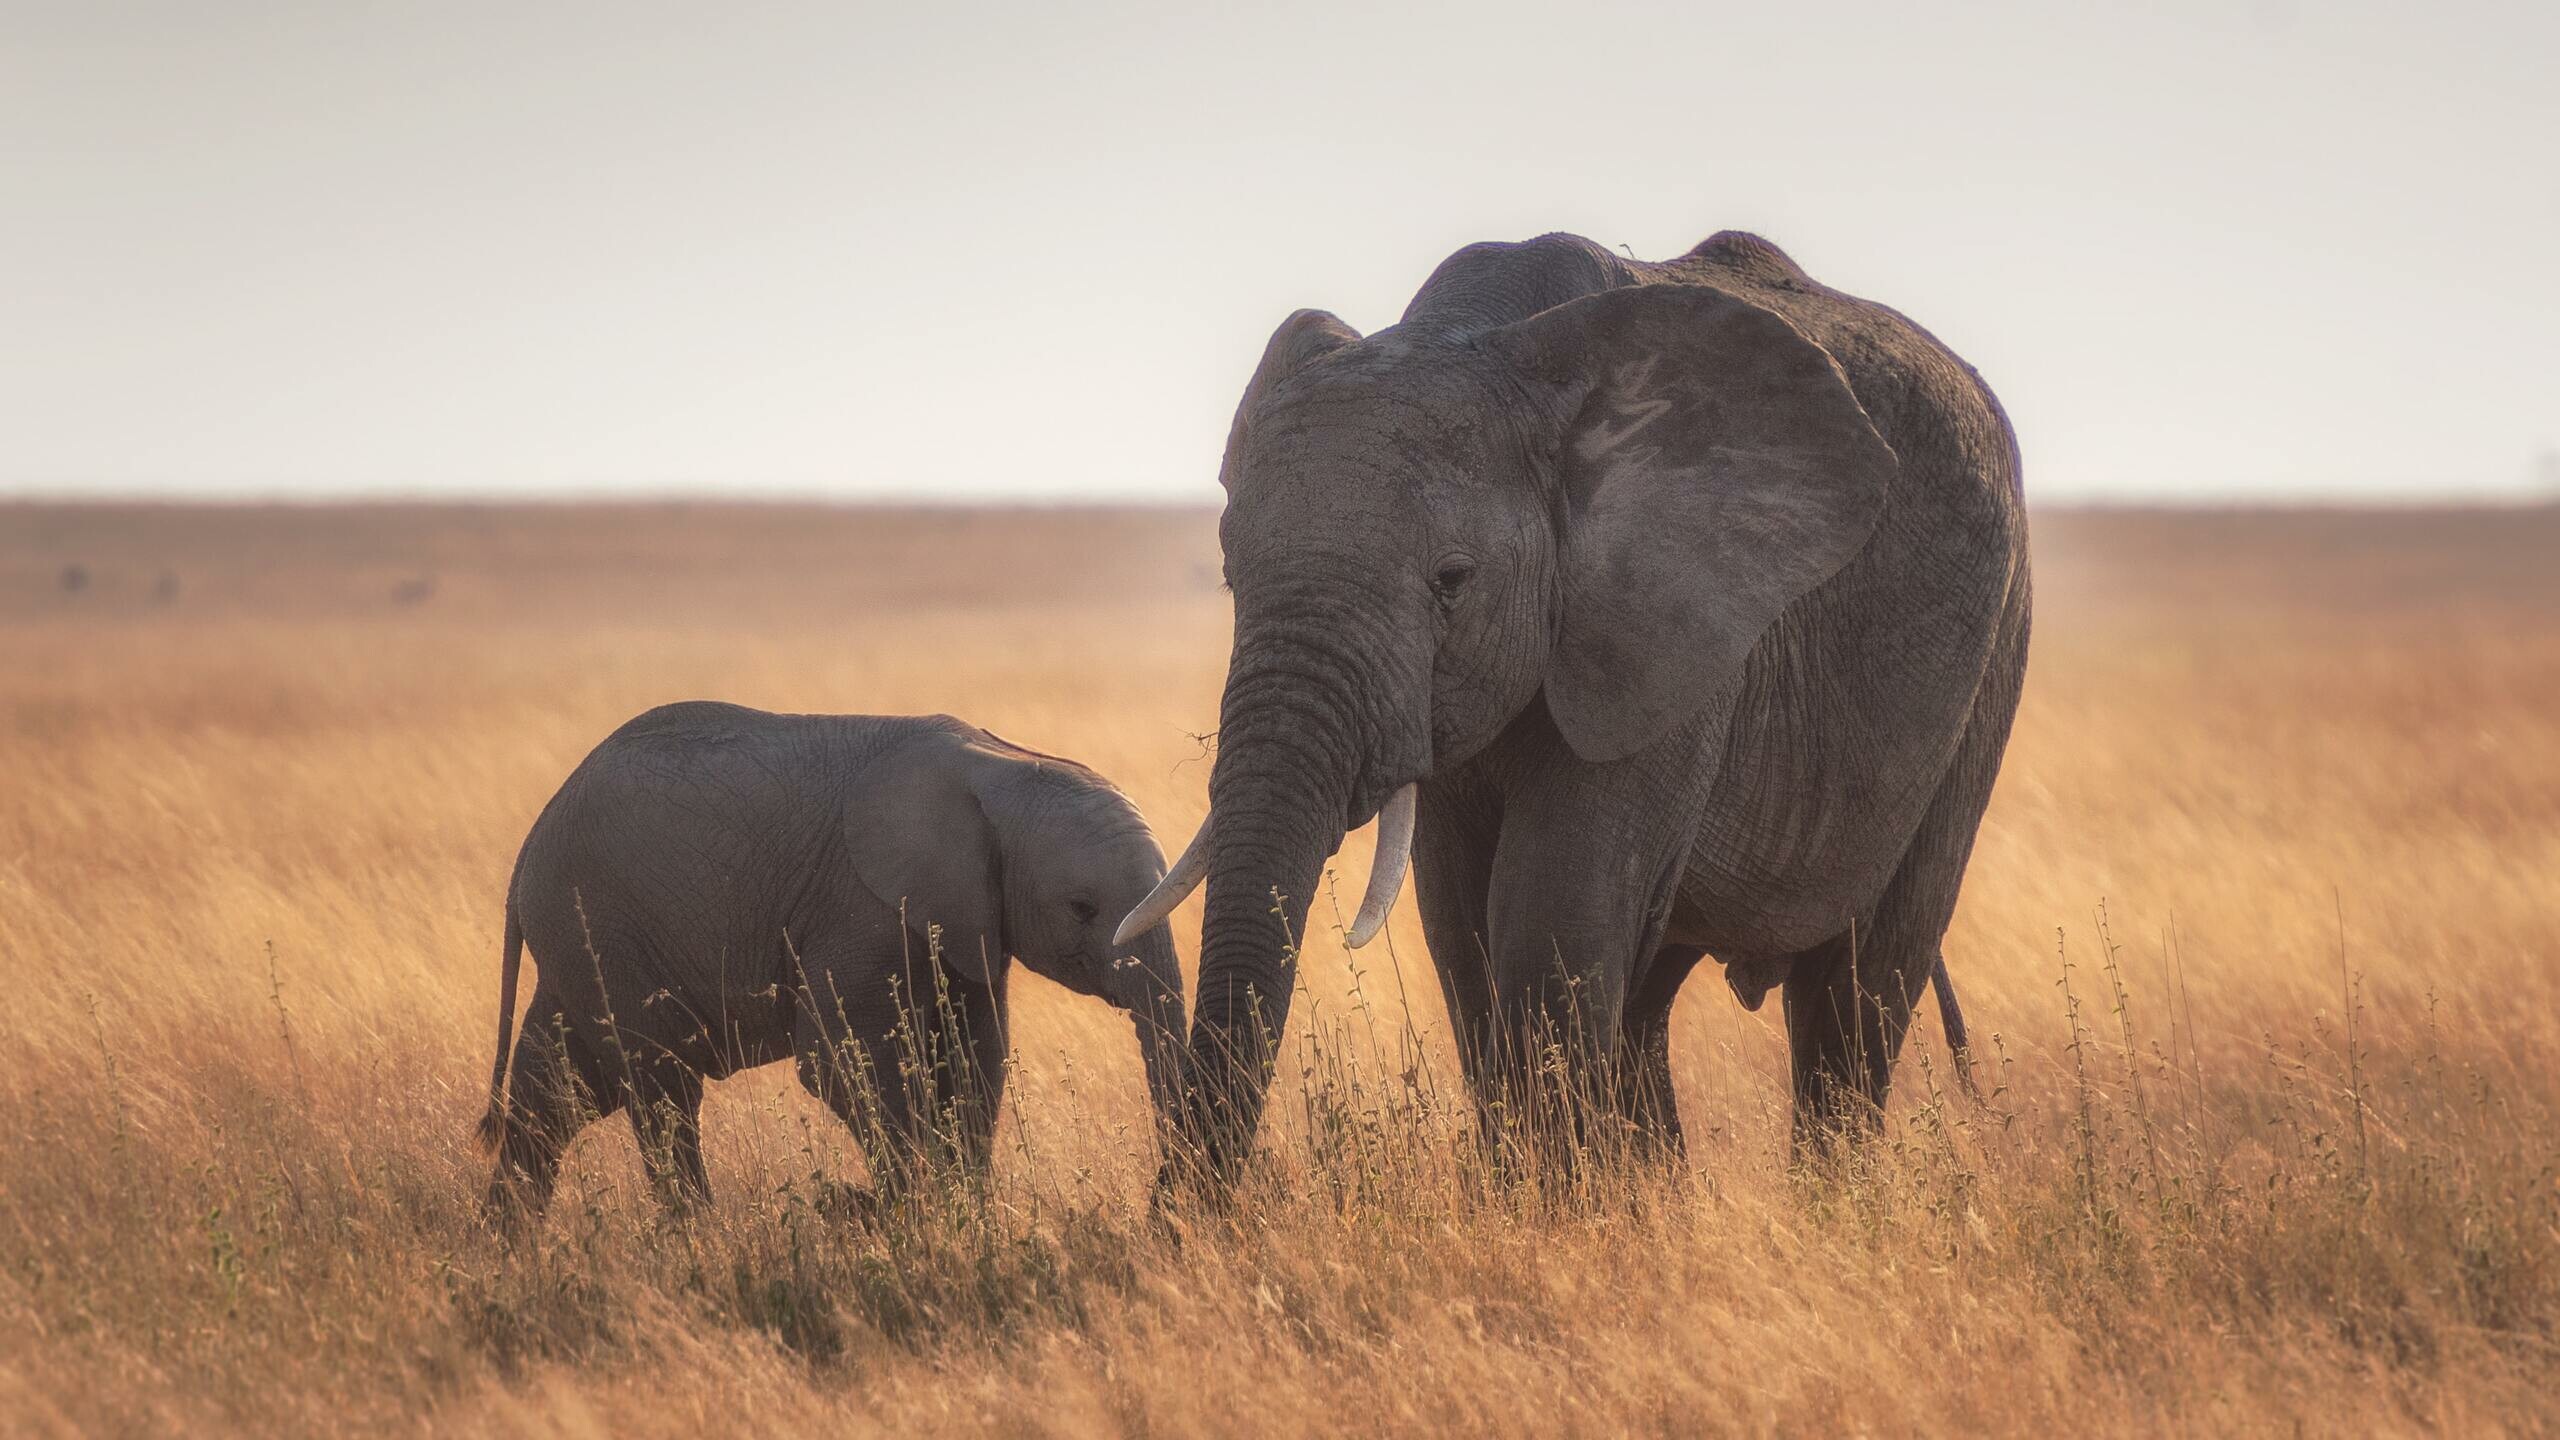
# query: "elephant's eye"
1083,910
1452,577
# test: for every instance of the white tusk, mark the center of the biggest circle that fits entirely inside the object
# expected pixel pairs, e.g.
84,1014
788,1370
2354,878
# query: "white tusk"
1172,890
1386,872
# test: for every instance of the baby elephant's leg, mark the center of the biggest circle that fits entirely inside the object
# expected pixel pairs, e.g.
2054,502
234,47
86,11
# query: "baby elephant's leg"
917,1080
666,1116
859,1048
872,1083
556,1086
969,1084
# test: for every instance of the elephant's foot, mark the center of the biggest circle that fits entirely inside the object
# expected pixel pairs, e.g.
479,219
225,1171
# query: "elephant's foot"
844,1202
513,1205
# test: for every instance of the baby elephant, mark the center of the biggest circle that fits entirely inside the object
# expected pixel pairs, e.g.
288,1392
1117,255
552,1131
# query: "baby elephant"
716,887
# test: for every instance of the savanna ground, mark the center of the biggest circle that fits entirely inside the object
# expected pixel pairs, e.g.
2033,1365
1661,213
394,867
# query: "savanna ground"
2261,948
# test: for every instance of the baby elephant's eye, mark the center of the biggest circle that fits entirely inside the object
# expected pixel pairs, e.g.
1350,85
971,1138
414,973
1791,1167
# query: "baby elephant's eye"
1452,576
1084,911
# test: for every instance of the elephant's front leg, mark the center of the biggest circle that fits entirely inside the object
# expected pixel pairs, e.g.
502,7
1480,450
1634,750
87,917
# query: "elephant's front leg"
969,1081
1645,1100
1582,885
1453,849
874,1053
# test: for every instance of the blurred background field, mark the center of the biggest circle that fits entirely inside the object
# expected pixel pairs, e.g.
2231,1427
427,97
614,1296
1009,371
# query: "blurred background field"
2287,1155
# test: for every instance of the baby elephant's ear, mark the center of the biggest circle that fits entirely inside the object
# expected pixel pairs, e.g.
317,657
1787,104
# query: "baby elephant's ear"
1716,468
921,843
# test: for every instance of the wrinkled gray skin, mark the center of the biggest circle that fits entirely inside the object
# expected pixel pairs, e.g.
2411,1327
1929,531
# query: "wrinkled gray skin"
716,888
1695,596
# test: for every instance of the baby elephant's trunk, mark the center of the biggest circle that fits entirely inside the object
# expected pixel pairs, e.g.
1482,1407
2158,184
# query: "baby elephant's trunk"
1152,994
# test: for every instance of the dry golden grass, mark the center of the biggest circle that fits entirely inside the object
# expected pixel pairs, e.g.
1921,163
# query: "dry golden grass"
2304,770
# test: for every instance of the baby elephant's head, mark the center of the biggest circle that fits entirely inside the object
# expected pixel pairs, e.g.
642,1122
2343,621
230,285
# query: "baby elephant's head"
1078,860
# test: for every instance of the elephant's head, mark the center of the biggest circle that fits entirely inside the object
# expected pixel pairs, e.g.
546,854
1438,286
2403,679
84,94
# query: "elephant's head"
1600,508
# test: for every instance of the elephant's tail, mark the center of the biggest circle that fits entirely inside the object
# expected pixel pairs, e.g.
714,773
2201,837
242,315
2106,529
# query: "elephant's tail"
493,1125
1951,1015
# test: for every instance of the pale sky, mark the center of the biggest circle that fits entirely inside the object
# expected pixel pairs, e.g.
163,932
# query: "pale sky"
2201,250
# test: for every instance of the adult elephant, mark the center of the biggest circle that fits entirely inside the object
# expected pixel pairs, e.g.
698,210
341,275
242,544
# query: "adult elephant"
1664,609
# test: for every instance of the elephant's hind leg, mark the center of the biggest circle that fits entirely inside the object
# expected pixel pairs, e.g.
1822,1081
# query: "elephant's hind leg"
556,1087
666,1117
1848,1006
1850,999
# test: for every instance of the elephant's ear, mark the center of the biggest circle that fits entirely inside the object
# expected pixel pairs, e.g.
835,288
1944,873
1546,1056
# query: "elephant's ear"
1715,468
921,844
1304,338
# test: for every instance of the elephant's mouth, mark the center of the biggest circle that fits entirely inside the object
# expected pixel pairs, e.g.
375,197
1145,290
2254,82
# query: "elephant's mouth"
1396,814
1371,800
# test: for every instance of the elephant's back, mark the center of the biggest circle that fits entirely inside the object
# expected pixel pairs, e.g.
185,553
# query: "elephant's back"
712,774
1935,410
1500,282
715,765
1922,397
710,726
678,845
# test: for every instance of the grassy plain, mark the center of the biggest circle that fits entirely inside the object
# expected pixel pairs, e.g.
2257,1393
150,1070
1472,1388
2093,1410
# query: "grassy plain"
2262,946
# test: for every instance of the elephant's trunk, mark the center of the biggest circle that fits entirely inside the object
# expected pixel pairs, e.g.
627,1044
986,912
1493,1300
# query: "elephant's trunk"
1295,755
1153,998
